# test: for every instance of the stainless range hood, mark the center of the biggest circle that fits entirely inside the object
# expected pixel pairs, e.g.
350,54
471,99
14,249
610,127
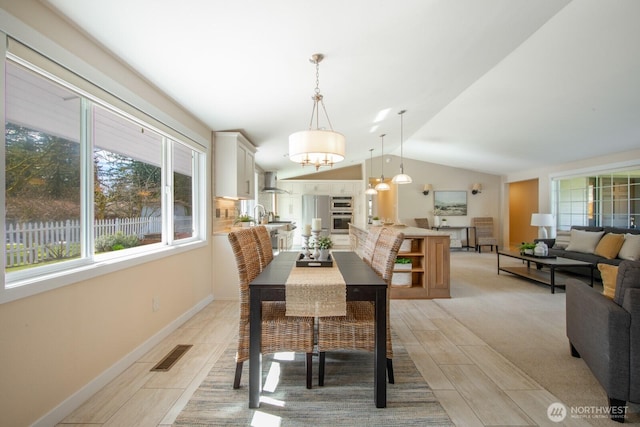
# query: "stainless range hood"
270,179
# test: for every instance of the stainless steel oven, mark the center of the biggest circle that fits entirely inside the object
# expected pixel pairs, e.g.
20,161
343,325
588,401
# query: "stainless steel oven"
340,222
342,203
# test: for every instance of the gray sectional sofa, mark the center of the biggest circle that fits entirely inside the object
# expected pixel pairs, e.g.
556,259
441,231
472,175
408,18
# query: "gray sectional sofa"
556,248
605,332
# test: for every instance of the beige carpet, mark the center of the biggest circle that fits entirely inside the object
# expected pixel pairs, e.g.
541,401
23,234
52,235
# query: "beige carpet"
345,400
525,323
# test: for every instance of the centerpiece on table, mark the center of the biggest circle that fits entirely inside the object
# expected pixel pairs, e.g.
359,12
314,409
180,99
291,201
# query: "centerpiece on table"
323,244
527,248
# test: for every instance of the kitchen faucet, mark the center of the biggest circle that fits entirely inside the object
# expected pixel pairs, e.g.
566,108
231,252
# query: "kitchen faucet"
259,218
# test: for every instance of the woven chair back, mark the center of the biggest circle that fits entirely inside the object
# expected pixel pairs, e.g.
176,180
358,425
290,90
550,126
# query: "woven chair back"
484,226
244,247
386,251
422,222
370,244
263,239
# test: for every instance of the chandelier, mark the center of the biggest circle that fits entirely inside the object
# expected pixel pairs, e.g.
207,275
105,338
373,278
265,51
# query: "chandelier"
382,186
317,146
401,178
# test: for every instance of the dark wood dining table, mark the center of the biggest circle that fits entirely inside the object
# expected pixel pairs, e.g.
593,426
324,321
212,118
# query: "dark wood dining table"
363,284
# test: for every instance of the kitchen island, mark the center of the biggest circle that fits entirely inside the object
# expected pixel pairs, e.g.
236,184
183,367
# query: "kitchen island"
430,262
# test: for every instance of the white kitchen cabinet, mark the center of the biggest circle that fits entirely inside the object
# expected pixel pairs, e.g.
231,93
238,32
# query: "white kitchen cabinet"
290,187
320,188
234,166
293,207
343,189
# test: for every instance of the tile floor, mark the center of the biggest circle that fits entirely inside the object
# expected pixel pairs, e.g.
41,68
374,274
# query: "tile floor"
475,384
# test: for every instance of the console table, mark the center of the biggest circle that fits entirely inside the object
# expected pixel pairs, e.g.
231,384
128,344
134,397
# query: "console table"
467,244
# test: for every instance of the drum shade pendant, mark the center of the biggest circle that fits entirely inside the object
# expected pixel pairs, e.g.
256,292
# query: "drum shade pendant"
401,178
382,186
317,146
370,191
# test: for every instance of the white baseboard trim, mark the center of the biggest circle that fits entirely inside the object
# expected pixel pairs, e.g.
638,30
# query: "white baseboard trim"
74,401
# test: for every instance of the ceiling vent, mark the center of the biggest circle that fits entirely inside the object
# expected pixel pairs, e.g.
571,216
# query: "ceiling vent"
270,179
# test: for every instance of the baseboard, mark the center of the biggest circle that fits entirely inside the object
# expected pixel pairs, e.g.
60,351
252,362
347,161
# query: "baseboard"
74,401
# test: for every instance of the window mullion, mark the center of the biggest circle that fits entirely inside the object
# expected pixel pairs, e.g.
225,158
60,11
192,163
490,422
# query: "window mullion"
86,179
167,193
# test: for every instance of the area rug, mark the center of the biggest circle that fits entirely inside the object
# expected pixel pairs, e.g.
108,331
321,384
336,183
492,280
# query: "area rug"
345,399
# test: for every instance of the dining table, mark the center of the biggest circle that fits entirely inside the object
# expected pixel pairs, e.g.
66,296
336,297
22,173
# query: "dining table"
362,284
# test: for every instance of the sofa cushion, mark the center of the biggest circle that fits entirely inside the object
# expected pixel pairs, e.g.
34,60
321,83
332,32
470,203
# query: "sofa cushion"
630,249
562,239
628,277
609,245
584,241
609,274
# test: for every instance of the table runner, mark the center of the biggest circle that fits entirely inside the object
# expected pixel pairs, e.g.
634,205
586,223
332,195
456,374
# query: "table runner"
316,291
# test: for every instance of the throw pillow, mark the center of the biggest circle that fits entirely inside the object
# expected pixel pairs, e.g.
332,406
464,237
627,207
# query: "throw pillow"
609,245
584,241
628,278
630,249
562,239
609,275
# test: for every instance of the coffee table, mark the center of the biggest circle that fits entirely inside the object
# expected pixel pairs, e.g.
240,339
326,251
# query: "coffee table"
539,272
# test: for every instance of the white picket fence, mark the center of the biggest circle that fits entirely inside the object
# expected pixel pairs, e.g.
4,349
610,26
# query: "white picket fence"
31,243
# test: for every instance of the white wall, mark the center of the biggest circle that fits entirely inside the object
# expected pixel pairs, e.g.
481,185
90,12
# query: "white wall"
60,346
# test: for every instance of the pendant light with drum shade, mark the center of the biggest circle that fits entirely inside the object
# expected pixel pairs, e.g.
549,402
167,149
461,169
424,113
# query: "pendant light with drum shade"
370,191
382,186
401,178
319,146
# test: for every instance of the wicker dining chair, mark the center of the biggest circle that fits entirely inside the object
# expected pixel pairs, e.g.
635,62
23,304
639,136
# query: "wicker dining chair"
422,222
370,244
263,239
356,330
279,332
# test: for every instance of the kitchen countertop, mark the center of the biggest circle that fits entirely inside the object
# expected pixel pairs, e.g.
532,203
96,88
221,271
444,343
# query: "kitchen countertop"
277,226
408,231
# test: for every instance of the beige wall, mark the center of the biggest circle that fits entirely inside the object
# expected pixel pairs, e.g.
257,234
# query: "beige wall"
411,203
57,345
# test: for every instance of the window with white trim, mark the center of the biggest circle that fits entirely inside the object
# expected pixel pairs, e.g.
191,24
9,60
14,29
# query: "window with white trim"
86,181
604,198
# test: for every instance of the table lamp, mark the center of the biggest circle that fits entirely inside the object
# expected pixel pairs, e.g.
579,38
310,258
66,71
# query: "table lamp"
542,220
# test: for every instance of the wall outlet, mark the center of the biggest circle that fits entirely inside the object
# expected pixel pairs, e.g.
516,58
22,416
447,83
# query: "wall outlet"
155,303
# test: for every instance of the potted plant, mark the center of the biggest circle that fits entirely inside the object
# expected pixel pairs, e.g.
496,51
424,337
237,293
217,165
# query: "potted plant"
444,222
324,243
527,248
402,278
376,221
403,263
244,220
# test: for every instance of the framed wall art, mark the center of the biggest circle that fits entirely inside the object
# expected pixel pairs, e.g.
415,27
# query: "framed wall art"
450,203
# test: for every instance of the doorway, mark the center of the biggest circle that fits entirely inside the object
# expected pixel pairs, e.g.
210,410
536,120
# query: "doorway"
523,201
385,202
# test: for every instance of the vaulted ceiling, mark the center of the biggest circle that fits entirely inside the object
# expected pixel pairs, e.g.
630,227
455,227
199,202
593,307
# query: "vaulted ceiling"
495,86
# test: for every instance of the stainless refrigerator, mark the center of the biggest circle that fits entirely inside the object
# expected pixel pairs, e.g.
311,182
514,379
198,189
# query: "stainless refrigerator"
316,207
